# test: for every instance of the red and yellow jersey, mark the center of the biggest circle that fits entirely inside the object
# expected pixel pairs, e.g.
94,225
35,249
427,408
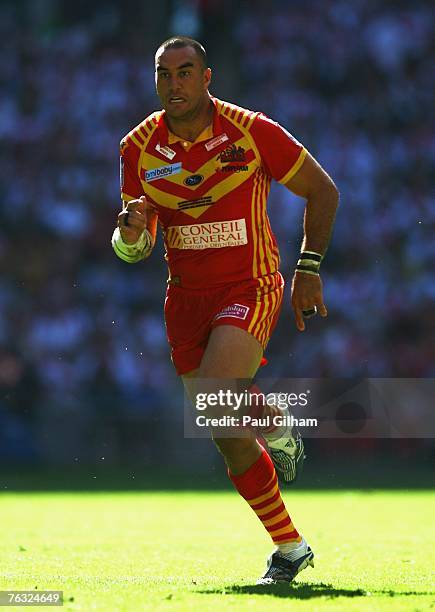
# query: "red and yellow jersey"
211,194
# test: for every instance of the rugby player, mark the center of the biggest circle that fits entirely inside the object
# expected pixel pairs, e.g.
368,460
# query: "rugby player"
202,169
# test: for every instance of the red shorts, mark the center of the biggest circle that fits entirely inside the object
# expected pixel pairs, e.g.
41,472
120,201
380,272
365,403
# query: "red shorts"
190,315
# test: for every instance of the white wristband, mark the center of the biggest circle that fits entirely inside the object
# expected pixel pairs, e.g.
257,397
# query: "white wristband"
132,253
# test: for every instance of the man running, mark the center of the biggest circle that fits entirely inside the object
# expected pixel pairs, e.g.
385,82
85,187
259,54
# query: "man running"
202,169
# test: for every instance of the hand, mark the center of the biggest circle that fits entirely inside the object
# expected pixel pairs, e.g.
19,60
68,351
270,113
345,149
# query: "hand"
136,216
306,293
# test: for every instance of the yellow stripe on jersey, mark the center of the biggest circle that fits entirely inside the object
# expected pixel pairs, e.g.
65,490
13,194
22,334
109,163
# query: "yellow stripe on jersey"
226,185
140,134
216,192
126,198
226,107
254,226
232,182
136,141
267,305
257,306
275,303
273,249
260,310
240,116
173,238
260,204
259,330
144,146
150,161
142,130
272,258
251,118
266,237
268,310
170,201
149,124
298,163
267,247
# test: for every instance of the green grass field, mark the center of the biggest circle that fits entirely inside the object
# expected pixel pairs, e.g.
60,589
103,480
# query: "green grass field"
204,551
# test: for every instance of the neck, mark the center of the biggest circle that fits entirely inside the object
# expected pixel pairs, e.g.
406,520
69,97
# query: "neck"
189,128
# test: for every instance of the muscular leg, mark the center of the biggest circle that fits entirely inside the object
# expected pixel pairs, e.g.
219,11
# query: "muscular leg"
231,354
234,354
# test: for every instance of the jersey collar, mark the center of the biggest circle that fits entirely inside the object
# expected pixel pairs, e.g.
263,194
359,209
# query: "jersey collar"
212,130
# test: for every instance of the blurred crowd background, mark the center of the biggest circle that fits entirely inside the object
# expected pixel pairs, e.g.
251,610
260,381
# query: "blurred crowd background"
84,363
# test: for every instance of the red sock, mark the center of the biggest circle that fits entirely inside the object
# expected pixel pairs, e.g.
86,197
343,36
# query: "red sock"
259,486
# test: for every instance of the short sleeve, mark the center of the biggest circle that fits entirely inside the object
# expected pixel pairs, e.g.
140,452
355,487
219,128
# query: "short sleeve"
281,154
131,186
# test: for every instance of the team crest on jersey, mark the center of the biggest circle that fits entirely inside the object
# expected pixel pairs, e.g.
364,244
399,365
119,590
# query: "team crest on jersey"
162,172
232,154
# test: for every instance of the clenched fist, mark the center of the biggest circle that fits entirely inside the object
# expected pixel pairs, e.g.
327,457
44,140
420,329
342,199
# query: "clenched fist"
135,217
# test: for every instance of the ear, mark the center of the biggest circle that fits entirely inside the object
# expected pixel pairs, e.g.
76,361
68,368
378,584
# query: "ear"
207,77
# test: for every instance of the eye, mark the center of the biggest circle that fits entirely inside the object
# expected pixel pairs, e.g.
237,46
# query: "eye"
184,73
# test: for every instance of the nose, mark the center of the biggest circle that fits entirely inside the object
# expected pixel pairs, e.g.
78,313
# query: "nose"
174,84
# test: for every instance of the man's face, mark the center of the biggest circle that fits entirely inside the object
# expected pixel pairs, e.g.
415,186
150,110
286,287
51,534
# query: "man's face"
181,81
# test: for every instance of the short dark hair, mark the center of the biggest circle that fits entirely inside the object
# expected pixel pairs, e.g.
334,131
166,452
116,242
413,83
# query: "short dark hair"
178,42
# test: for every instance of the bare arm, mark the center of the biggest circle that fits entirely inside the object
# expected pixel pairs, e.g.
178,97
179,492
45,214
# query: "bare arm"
314,184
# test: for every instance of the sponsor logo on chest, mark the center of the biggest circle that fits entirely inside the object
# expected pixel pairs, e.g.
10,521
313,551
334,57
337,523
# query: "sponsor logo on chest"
162,172
213,235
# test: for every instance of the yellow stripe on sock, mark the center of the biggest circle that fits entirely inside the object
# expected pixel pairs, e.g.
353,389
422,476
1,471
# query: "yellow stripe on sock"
282,531
269,508
264,497
276,519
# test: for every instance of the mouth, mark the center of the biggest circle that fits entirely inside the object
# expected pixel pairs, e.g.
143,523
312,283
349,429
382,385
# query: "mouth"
176,100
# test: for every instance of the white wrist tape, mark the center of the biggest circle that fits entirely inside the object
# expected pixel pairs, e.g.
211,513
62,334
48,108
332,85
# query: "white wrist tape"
132,253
